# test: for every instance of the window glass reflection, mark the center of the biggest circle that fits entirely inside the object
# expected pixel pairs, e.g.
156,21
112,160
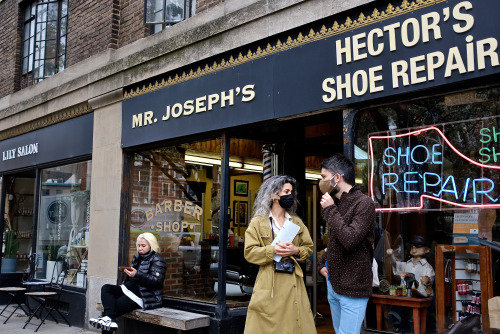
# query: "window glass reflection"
175,194
63,221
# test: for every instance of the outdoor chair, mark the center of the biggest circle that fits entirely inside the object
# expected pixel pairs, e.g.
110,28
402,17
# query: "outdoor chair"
48,301
17,293
29,281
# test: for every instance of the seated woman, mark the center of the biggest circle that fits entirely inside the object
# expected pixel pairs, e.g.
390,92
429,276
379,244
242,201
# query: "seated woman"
142,287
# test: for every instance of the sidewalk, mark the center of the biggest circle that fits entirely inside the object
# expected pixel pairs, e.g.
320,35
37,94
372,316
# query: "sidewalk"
16,323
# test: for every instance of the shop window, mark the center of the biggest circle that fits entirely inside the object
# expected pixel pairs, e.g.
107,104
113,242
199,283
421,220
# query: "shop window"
453,141
44,40
63,221
160,14
179,203
18,223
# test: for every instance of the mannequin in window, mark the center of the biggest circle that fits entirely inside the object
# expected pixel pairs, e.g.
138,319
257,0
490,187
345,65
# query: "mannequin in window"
417,265
399,318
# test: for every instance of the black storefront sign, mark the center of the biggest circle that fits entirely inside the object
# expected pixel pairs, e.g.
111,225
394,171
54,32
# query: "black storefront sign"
448,42
65,140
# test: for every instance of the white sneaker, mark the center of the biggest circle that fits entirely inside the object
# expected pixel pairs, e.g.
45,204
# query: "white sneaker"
105,323
93,322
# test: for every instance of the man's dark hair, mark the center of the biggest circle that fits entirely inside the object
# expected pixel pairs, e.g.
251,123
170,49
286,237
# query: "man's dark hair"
339,163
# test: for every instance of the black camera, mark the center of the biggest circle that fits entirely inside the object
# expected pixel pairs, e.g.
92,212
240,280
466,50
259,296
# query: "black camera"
284,267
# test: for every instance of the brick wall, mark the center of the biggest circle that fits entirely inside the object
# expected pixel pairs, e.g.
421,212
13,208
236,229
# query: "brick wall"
132,25
90,29
10,46
93,27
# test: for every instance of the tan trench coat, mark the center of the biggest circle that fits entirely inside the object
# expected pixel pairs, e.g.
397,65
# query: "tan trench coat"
279,302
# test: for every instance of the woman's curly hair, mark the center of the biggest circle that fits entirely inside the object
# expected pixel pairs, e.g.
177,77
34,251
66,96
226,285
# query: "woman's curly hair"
270,188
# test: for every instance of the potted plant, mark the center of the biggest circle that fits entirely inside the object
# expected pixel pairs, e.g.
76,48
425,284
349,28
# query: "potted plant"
9,262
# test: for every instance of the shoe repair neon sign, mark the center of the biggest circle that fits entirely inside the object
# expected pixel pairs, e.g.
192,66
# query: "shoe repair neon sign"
411,170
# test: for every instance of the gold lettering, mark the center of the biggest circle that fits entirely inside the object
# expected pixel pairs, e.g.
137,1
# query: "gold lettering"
178,205
167,205
198,211
149,214
176,226
166,227
158,209
158,227
184,225
187,207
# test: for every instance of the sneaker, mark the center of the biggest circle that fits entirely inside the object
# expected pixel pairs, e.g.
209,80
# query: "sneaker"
93,322
105,323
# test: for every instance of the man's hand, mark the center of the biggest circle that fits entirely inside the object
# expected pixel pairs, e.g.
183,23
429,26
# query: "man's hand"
326,200
324,272
286,249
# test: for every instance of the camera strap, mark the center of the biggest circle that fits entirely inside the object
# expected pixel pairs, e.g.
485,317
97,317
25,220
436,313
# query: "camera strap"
271,222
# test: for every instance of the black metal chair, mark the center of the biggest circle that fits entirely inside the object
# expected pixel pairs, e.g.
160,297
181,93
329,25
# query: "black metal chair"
48,301
29,281
17,293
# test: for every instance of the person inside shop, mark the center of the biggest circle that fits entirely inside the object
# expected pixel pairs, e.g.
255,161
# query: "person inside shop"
141,288
421,280
351,224
279,302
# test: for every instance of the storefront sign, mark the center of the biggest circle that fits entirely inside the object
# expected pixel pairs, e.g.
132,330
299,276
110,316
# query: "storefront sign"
20,151
174,206
71,138
413,169
413,47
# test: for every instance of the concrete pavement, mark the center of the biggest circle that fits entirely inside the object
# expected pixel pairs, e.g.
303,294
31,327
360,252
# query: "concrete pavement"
16,323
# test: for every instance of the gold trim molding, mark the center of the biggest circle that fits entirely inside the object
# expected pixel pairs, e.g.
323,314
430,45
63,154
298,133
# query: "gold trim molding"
279,46
45,121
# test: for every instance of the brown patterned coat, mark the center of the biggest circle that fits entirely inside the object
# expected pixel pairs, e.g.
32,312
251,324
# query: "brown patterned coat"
351,225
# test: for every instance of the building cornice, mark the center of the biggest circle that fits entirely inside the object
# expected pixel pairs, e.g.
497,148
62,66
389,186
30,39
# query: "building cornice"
45,121
276,46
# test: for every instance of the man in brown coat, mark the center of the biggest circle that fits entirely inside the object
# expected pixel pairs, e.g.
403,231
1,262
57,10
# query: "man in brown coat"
351,224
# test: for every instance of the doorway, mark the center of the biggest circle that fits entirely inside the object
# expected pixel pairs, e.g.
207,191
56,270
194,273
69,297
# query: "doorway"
293,147
19,207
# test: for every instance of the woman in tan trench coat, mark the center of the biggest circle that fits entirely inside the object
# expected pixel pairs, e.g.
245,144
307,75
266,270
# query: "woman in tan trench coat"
279,302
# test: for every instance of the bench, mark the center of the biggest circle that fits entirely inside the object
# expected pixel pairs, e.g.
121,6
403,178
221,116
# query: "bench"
168,317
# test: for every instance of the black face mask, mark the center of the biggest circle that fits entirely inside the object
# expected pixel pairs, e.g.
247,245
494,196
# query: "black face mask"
286,201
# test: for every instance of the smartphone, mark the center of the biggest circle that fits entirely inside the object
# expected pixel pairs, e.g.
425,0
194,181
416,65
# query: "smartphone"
124,267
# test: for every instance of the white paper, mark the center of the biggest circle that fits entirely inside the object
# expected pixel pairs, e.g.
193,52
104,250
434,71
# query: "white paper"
287,233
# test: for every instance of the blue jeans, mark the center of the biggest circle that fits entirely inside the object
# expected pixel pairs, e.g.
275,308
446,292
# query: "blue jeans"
347,312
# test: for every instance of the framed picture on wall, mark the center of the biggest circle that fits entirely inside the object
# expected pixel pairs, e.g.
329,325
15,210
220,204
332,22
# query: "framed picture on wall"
240,188
240,210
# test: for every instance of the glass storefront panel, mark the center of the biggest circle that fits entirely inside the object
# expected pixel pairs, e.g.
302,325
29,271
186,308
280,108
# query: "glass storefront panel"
18,223
63,221
175,194
434,172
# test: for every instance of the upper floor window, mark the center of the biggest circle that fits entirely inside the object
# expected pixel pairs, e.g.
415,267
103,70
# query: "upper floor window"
164,13
44,40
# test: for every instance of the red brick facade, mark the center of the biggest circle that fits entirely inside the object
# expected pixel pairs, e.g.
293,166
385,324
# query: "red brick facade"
89,29
10,47
93,27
